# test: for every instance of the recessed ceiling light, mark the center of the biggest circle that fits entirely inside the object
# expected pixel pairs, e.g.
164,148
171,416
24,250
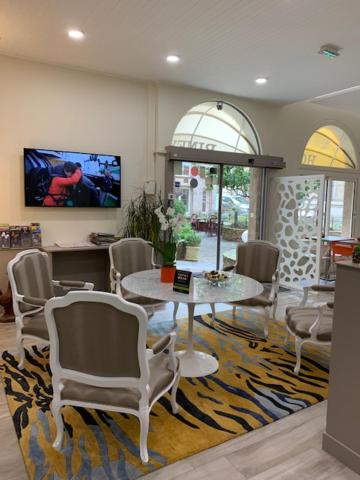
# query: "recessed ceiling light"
261,80
172,58
76,34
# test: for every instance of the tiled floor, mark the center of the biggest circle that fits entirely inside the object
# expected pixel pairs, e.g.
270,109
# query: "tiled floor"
285,450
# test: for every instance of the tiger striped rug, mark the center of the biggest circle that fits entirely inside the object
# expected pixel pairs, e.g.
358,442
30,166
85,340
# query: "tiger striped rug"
255,385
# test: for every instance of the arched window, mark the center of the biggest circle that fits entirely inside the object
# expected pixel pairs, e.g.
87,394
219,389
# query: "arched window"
329,147
216,126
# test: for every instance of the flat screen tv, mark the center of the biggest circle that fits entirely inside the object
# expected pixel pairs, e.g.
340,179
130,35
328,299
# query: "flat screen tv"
56,178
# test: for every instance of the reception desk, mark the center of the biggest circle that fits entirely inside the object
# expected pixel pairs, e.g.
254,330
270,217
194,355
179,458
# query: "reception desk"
342,433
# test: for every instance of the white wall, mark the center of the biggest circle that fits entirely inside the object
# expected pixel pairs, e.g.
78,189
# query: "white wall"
174,101
48,107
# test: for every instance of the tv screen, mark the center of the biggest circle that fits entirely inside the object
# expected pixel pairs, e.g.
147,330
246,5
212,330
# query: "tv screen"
56,178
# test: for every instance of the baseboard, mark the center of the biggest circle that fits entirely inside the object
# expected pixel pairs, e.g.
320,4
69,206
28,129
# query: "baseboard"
340,451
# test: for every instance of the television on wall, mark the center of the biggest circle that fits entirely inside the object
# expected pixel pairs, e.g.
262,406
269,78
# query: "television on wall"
57,178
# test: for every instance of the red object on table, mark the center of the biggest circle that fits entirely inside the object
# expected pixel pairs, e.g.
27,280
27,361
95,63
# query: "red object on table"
167,274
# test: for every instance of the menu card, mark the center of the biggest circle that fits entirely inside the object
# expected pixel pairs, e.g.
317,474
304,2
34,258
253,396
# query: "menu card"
182,281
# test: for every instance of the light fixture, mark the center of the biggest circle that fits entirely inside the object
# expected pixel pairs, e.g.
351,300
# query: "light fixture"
329,51
173,58
261,80
76,34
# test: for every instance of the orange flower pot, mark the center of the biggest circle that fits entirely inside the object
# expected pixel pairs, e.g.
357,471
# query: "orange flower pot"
167,274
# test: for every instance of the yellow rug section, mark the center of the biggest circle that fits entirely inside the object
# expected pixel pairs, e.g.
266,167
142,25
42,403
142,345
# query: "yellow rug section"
254,386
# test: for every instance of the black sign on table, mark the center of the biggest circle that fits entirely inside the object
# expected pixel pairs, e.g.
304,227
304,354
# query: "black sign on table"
182,281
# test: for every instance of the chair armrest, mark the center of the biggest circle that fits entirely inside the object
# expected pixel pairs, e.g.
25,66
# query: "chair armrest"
229,268
73,284
167,342
161,344
33,301
313,330
322,288
274,286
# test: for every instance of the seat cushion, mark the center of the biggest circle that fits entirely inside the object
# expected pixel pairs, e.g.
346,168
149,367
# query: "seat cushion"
36,325
160,377
299,320
259,301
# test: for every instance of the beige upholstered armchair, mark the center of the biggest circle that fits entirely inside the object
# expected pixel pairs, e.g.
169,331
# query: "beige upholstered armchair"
316,289
31,285
259,260
112,370
131,255
309,324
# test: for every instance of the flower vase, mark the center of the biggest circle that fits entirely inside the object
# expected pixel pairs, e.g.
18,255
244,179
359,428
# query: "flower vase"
167,274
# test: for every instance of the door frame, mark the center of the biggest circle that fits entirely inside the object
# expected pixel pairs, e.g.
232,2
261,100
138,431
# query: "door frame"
215,157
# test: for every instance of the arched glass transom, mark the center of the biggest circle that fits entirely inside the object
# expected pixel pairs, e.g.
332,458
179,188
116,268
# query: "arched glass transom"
329,147
216,126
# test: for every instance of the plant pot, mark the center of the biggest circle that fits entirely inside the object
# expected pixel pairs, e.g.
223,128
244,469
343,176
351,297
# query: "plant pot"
356,257
192,253
167,274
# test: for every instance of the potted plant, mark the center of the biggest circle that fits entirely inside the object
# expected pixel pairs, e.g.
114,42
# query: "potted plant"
192,240
356,254
165,244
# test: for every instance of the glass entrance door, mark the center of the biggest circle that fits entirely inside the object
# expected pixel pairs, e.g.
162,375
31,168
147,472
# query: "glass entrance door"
339,207
196,189
209,234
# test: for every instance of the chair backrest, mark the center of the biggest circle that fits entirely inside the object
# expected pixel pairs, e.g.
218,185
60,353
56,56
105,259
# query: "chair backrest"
131,255
29,275
342,249
97,338
257,259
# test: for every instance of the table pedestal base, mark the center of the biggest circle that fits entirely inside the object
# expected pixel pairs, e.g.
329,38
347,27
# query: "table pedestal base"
196,364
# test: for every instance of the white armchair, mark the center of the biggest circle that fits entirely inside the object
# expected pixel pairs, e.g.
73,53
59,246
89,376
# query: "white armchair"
113,370
31,285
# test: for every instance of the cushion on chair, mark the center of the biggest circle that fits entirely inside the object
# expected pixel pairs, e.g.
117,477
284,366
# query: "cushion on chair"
299,320
160,377
259,301
35,325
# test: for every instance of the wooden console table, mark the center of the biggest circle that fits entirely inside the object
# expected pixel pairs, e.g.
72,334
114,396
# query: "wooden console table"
88,263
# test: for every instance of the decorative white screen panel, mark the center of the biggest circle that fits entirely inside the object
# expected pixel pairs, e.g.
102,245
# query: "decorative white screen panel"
295,225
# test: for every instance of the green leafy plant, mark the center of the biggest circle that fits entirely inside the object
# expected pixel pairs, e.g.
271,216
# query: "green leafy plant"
179,206
237,179
189,236
141,220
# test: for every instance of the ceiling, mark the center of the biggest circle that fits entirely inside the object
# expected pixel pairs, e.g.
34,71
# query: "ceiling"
224,44
345,100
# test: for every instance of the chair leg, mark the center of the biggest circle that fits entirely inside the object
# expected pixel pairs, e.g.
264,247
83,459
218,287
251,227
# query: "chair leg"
144,430
234,311
266,321
274,308
56,412
20,349
176,307
287,337
174,405
212,305
298,345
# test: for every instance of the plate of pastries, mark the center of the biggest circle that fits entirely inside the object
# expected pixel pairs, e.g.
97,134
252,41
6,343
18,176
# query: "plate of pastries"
216,277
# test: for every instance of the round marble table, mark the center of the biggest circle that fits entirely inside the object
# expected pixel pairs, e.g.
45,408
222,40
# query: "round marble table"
147,284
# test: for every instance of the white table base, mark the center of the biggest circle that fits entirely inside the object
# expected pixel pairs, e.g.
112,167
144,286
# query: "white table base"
194,363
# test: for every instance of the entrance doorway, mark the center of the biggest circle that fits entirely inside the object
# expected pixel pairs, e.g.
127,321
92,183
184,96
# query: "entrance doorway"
221,198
